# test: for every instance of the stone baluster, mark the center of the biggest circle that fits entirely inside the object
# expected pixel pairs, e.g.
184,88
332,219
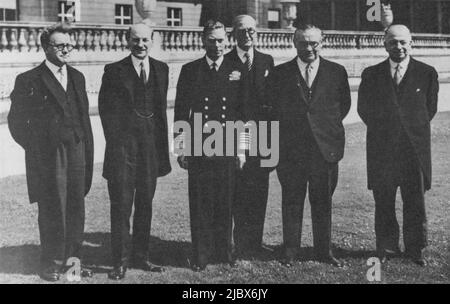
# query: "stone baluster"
104,41
80,40
172,42
4,40
73,38
22,42
124,40
38,39
111,39
89,40
178,43
96,41
32,40
13,40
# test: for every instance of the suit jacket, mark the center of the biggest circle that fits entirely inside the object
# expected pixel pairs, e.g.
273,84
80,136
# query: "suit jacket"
223,99
262,65
36,116
116,108
382,109
323,115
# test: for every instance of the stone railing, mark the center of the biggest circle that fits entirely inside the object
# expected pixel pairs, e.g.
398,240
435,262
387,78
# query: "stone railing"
25,37
97,45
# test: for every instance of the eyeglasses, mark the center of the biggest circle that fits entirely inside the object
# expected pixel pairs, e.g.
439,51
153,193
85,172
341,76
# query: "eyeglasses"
305,44
249,31
60,47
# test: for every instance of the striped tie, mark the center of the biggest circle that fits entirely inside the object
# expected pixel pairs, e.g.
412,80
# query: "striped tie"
248,61
397,75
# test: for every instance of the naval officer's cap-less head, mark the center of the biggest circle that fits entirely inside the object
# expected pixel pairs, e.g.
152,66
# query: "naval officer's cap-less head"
214,39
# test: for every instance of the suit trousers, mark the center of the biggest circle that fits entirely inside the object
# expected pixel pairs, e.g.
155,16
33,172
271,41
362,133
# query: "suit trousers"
136,186
211,195
319,177
249,210
61,215
410,179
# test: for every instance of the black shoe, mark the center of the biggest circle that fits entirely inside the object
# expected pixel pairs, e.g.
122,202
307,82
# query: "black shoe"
386,254
146,265
51,273
117,273
417,257
331,260
86,272
198,267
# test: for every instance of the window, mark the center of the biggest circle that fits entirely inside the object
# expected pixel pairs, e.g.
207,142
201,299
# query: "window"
174,16
7,14
124,14
273,19
69,11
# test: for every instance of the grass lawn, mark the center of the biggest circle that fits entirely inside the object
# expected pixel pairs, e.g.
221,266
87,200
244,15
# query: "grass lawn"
352,233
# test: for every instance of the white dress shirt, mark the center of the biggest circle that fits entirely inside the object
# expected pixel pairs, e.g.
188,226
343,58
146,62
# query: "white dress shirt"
218,62
59,72
241,53
314,68
403,67
137,66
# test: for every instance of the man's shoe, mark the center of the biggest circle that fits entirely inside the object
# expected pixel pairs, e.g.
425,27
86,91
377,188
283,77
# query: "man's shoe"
86,272
331,260
51,274
146,265
417,257
117,273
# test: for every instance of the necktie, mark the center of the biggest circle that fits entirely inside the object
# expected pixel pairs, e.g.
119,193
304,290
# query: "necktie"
143,74
61,77
397,75
214,67
308,75
248,61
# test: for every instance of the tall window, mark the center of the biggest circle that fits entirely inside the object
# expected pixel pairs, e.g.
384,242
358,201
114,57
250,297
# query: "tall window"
68,11
273,18
124,14
174,16
7,14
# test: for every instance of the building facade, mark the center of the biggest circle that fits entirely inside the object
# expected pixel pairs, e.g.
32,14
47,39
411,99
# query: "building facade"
422,16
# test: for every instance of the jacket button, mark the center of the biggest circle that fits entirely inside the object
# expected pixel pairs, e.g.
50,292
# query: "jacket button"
206,107
224,107
224,98
206,98
206,116
223,116
223,124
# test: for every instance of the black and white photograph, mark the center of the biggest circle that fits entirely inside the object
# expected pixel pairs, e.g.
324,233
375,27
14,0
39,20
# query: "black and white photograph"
224,146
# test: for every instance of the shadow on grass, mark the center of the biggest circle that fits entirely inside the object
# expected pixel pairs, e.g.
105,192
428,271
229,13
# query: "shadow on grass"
24,259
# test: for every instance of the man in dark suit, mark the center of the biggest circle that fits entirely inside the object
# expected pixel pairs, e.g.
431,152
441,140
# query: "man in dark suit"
311,97
249,209
397,100
49,118
132,107
210,89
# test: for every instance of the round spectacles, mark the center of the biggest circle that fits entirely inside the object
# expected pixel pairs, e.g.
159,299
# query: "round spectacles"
249,31
305,44
60,47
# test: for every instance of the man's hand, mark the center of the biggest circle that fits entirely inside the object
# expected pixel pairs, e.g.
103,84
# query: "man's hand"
182,161
242,160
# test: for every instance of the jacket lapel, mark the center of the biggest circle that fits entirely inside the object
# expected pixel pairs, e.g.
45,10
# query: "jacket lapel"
407,81
386,81
52,84
127,75
80,90
296,81
154,68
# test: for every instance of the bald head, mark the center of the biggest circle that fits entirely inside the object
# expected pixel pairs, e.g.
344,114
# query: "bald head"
140,40
397,42
244,30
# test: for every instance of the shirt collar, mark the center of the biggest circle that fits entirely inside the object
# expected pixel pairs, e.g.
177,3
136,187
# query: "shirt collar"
403,65
137,64
302,65
54,68
241,53
218,61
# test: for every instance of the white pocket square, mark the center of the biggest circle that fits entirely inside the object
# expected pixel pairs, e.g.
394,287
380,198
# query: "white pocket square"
418,90
266,73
